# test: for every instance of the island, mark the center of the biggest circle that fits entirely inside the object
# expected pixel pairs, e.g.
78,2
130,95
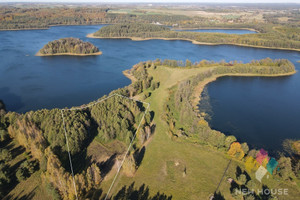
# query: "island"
69,46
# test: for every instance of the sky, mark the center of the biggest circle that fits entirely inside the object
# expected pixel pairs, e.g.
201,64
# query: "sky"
159,1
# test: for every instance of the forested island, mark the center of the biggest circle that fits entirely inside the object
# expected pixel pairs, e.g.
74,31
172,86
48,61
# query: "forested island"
69,46
99,133
274,38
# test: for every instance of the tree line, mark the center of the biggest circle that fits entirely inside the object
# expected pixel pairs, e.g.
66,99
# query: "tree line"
43,17
123,30
273,39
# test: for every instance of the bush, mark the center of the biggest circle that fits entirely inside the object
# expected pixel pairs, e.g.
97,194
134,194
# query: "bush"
43,164
229,140
3,135
155,85
242,179
29,166
251,184
4,174
245,147
5,155
249,197
285,168
52,191
25,170
20,175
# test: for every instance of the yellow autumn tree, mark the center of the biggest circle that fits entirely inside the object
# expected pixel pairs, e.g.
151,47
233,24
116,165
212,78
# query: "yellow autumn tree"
236,150
251,164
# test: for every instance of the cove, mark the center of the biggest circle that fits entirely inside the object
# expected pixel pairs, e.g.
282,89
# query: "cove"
259,110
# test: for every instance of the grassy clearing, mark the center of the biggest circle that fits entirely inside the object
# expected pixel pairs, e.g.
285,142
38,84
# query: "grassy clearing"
31,188
182,169
165,160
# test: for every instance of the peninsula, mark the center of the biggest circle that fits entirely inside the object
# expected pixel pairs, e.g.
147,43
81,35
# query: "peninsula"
69,46
151,31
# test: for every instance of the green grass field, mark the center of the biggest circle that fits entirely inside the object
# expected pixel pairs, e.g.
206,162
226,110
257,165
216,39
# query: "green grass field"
181,169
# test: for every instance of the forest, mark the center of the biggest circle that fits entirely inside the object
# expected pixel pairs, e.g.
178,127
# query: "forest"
44,17
123,30
68,46
27,16
277,38
41,133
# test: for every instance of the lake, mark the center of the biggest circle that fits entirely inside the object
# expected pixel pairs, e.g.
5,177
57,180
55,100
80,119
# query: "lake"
228,31
28,82
260,110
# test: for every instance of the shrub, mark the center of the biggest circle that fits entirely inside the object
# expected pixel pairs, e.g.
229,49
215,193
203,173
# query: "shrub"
242,179
20,175
5,155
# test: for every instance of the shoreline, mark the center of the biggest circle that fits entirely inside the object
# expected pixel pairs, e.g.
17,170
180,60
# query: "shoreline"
91,35
24,29
49,26
127,74
197,91
69,54
215,28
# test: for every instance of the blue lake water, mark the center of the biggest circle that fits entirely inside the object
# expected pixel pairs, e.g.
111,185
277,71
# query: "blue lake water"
28,82
228,31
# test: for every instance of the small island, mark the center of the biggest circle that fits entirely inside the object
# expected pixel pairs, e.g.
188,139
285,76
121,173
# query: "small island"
69,46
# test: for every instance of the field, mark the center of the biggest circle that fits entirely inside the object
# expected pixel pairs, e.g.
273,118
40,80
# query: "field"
181,169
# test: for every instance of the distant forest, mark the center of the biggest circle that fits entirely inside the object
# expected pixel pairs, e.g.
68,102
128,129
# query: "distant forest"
278,38
273,31
39,16
123,30
27,18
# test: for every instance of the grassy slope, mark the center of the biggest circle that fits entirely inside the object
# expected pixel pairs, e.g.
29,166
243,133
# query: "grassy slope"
30,188
204,166
158,170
